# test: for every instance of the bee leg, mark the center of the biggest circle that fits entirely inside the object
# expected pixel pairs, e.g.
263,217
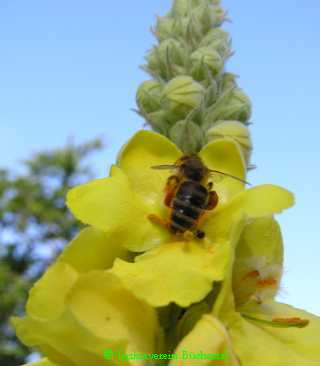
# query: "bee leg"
200,234
211,204
158,220
212,201
188,235
171,186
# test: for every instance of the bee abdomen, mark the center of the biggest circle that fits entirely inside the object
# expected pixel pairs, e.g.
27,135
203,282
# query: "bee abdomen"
181,222
187,205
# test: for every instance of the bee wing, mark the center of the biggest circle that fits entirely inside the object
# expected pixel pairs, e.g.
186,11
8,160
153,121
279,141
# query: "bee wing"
164,167
218,176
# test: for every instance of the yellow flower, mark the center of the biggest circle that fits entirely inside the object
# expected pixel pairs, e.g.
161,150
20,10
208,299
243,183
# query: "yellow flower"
78,308
245,322
180,272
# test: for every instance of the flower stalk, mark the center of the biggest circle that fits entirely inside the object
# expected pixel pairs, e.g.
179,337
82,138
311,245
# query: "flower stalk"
190,95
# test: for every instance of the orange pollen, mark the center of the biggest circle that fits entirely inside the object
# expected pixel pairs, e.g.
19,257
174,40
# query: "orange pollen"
267,282
252,274
292,321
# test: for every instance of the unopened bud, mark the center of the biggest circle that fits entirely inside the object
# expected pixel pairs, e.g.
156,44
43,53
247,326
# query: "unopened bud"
206,57
168,58
159,122
218,15
187,135
234,105
180,27
208,16
182,94
234,130
164,28
211,86
228,81
181,8
149,95
219,40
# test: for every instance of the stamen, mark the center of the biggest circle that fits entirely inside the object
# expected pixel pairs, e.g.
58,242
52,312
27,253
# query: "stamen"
252,274
267,282
295,322
280,322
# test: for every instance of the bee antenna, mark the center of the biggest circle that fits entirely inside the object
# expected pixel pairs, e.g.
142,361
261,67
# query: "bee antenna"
164,166
230,176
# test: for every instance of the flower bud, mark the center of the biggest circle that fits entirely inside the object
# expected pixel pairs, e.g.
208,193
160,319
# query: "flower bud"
149,95
164,28
234,130
168,59
206,57
181,8
187,136
159,122
218,15
219,40
214,35
211,86
208,16
190,29
182,94
172,28
228,81
233,105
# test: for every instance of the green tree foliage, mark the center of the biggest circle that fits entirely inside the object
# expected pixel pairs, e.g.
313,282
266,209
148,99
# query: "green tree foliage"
34,226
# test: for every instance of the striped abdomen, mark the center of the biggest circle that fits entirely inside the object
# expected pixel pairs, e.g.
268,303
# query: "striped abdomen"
187,206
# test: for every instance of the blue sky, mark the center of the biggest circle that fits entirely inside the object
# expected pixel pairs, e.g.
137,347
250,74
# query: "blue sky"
71,68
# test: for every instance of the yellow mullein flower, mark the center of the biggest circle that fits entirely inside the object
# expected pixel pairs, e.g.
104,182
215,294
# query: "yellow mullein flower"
272,325
78,308
255,329
121,204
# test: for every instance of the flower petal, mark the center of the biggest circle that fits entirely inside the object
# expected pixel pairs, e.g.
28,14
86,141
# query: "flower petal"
117,314
110,205
224,305
256,202
304,341
290,347
144,150
180,272
258,262
209,336
98,314
43,301
261,238
64,340
102,203
92,249
225,155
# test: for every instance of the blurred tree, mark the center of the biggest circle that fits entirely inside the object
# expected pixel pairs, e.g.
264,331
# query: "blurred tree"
34,226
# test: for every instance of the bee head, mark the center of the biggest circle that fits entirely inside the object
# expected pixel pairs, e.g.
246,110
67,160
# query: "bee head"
192,167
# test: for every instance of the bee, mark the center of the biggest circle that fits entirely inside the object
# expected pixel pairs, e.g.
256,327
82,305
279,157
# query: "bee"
188,194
